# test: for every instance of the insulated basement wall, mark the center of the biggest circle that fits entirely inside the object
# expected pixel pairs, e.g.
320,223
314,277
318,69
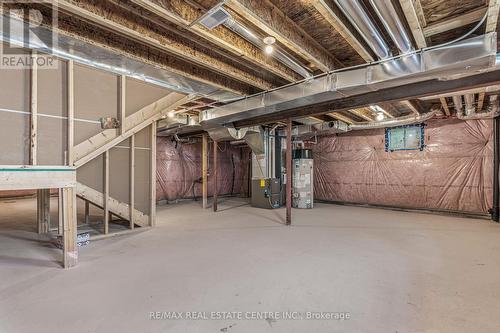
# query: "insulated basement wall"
454,172
177,169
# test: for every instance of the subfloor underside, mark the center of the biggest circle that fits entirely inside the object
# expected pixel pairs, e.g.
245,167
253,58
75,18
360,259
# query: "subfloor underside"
390,271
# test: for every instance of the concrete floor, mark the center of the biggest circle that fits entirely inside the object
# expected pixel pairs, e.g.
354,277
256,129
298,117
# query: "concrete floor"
391,271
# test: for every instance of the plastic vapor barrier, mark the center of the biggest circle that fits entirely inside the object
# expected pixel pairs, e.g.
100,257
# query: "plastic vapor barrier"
454,171
178,169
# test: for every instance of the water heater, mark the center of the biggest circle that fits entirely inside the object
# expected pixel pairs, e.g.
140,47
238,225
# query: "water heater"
302,179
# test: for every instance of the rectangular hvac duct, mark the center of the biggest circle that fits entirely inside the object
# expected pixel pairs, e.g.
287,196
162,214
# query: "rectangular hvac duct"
467,57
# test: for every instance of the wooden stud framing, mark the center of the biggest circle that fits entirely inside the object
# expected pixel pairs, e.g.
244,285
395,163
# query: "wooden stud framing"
152,185
204,170
99,143
71,111
43,210
105,204
122,79
60,212
132,182
87,212
34,110
70,249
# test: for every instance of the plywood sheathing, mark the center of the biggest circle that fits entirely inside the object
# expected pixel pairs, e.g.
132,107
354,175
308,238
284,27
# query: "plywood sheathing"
314,24
116,20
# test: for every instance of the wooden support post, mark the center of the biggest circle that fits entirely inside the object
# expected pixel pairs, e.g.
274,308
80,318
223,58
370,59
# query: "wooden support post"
71,111
34,111
70,249
122,111
288,172
132,181
152,185
60,212
214,172
204,170
43,210
87,212
105,197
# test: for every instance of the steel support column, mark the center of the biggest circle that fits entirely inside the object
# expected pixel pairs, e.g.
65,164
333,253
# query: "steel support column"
215,175
495,211
288,171
204,170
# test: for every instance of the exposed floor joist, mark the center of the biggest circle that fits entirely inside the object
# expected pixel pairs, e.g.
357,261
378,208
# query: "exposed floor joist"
492,19
133,29
412,10
183,13
329,14
445,106
454,23
274,22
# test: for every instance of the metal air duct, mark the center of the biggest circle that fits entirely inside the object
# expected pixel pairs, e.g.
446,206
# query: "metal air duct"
405,120
278,54
467,57
358,17
390,19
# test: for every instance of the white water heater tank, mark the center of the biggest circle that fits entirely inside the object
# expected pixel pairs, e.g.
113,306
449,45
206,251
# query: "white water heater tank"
302,179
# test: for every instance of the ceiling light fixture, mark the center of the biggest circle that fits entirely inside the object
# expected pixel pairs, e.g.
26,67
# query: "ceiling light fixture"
171,114
380,116
269,41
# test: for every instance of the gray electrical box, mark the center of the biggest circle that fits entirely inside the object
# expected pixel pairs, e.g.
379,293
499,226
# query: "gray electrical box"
266,193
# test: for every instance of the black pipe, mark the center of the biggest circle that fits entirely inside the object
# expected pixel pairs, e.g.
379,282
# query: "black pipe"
495,211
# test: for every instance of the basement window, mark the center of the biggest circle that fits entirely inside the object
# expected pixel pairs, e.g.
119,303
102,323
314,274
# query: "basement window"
409,137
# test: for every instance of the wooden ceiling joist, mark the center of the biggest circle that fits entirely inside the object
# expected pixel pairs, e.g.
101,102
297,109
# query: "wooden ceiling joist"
271,20
183,13
455,22
414,105
492,20
412,10
126,26
334,20
364,113
341,117
389,110
445,106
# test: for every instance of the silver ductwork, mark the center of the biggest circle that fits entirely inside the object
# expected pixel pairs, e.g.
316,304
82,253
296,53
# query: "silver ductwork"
392,23
253,136
278,54
493,111
467,57
70,48
405,120
356,14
